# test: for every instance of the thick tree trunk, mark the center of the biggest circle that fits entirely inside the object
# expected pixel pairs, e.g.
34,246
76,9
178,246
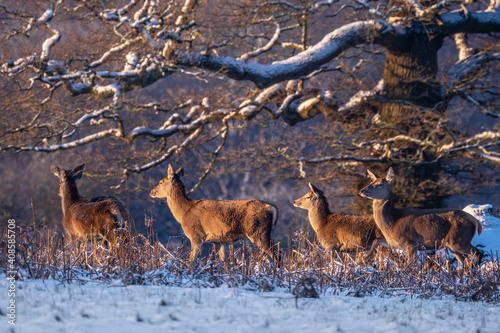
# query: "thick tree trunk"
410,79
413,97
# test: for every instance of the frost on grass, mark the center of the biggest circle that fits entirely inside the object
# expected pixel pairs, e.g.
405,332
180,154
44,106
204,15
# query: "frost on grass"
305,269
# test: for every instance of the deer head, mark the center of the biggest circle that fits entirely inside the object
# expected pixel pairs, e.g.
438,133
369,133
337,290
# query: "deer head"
379,188
310,200
67,177
164,188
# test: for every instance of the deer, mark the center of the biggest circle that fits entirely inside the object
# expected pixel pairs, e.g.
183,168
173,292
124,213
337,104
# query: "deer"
217,221
411,229
88,217
339,231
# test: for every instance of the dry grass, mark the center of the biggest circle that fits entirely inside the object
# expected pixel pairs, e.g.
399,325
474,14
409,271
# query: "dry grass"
305,268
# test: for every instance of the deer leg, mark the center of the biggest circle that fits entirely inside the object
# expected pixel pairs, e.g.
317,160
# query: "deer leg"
459,256
223,256
195,249
266,249
412,252
459,250
369,253
478,255
73,244
263,241
375,244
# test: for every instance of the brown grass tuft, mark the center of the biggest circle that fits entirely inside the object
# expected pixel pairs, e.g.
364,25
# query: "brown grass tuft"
305,268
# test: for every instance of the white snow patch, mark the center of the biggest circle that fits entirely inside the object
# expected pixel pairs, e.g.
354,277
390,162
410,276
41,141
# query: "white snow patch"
48,306
490,236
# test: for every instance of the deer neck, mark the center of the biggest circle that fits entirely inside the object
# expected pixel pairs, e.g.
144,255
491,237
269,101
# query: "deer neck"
69,195
383,212
179,203
319,215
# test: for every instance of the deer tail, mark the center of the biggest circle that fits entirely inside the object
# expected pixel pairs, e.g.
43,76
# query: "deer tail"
479,227
274,210
122,214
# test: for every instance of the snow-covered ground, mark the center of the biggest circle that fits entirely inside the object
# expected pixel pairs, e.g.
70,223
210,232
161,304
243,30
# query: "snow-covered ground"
490,237
48,306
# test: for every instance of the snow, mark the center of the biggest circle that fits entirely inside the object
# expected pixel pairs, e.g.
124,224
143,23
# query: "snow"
48,306
490,236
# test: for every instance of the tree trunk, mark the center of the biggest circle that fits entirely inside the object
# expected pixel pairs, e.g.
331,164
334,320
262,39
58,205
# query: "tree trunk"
410,80
413,97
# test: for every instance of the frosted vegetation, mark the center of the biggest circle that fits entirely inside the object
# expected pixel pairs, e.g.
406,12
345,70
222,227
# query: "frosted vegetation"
144,284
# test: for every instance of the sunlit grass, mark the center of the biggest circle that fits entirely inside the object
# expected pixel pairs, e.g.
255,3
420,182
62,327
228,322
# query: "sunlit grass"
305,269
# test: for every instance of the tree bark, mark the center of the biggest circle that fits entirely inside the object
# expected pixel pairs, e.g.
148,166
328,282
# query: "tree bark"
410,72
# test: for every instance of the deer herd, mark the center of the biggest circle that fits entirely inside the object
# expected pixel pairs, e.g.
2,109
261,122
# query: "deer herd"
227,221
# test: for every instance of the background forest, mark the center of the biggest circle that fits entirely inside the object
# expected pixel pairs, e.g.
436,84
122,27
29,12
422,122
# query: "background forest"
253,98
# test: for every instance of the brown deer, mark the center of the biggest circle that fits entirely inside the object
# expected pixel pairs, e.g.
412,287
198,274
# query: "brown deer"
217,221
84,217
339,231
410,228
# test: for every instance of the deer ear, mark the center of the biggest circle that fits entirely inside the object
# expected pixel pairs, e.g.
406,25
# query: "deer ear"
180,172
371,175
314,189
56,171
390,175
77,172
170,172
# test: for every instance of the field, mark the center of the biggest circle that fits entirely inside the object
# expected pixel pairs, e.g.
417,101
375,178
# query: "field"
142,284
49,306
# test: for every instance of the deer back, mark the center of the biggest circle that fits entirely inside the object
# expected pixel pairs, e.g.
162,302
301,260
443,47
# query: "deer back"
403,227
337,230
214,220
229,220
352,231
87,216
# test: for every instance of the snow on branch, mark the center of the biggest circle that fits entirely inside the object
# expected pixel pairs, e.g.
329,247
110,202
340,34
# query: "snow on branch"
265,48
302,161
473,142
294,67
113,50
72,144
89,116
404,138
464,51
170,128
489,157
471,99
179,149
494,5
49,42
362,97
371,9
474,22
